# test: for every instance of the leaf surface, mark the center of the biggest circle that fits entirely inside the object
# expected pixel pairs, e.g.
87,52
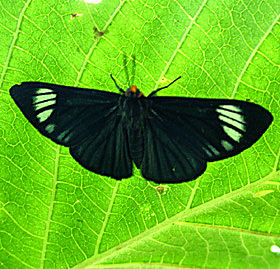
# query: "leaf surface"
55,214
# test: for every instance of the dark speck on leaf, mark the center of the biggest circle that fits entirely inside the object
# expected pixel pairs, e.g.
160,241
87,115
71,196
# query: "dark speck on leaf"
75,15
97,32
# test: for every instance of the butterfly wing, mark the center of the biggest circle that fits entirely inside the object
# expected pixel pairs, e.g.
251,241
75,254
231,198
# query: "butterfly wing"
106,152
183,134
85,120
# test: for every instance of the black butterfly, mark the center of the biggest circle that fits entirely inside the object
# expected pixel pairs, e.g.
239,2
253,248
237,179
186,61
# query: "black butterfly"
170,139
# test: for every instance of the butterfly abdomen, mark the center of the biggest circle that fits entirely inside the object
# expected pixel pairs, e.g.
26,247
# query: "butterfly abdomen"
134,125
136,145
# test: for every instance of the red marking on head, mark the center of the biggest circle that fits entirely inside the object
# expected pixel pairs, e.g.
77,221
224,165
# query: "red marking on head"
133,89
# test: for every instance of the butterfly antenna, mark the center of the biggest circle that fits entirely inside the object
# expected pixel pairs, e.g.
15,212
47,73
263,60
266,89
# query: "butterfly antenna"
133,69
157,90
125,69
120,89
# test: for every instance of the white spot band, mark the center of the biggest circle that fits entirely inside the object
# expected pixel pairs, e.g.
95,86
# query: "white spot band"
233,118
44,115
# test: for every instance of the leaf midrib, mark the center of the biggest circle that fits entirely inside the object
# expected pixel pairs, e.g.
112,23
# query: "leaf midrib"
11,48
49,218
175,219
88,55
183,39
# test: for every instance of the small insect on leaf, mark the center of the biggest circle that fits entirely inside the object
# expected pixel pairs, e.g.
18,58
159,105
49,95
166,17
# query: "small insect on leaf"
170,139
160,189
75,15
97,32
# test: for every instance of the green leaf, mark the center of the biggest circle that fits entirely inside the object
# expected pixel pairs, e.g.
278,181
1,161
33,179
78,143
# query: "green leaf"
55,214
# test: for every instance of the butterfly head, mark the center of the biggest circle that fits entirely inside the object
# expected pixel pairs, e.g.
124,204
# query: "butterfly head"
133,92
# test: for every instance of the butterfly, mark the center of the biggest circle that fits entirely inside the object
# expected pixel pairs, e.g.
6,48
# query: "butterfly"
170,139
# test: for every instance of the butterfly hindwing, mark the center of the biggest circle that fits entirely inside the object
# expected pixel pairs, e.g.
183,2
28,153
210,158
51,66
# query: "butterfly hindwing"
168,158
194,131
106,152
82,119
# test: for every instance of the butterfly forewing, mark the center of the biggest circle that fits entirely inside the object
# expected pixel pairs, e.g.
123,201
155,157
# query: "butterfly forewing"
182,134
82,119
64,114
